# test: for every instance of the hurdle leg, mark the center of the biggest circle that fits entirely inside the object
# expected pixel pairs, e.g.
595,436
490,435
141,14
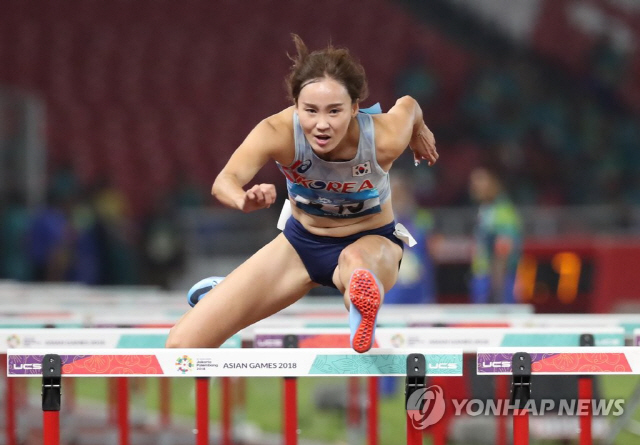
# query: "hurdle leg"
122,384
502,393
372,421
10,411
585,392
202,410
290,420
70,395
112,391
520,427
415,383
440,430
165,402
51,388
520,395
10,404
354,415
240,399
414,435
227,405
290,411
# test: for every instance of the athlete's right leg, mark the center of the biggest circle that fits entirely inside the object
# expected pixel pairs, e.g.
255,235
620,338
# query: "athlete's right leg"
272,279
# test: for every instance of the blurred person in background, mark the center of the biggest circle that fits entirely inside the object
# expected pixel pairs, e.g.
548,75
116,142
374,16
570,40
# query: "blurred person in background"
498,240
163,253
341,231
117,236
14,232
62,239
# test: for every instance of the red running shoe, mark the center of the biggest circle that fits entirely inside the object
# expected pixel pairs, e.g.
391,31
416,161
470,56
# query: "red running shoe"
365,295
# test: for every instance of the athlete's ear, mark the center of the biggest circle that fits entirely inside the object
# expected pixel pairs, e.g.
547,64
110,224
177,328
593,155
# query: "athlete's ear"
355,107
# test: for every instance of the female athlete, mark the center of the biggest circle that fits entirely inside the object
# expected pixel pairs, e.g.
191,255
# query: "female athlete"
341,232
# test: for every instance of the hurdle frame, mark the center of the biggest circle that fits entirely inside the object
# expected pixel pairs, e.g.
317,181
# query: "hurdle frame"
227,363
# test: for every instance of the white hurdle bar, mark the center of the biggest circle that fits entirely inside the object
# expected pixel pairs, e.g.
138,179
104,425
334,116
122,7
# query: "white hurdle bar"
468,339
523,363
286,362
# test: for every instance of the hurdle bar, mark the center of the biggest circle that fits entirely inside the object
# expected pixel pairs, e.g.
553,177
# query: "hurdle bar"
468,339
321,362
628,322
555,361
567,361
229,363
319,306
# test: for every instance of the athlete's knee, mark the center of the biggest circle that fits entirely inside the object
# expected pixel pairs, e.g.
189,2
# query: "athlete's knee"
173,339
354,255
182,337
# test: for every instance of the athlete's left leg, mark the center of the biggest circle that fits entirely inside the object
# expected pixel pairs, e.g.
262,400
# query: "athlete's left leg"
365,270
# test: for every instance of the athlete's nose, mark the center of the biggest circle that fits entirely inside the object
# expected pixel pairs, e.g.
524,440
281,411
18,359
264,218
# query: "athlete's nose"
322,124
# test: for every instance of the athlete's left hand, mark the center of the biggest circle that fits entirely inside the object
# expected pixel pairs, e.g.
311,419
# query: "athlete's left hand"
423,145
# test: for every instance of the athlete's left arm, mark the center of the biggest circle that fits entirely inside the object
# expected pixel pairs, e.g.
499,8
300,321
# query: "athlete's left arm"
403,125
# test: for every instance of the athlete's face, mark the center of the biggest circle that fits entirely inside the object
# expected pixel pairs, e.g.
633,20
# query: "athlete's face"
325,110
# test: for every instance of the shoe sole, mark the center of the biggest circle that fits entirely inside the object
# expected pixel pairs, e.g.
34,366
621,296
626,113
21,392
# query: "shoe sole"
365,297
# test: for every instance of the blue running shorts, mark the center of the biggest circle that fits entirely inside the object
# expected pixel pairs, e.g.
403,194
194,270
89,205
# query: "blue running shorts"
320,254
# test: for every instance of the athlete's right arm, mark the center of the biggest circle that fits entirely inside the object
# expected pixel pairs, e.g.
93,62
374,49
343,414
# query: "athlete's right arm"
268,140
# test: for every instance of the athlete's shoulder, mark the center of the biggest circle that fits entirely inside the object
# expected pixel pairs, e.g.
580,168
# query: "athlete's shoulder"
274,134
281,122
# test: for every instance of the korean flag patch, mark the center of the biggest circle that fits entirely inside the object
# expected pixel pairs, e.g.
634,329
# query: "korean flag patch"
362,169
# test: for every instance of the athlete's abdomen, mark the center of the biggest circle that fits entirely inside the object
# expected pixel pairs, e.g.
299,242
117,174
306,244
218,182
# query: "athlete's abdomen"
328,226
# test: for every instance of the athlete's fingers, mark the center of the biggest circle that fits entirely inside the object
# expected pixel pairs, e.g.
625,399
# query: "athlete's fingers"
269,193
259,195
432,156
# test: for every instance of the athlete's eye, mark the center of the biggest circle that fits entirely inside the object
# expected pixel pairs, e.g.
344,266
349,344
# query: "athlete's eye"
310,110
334,111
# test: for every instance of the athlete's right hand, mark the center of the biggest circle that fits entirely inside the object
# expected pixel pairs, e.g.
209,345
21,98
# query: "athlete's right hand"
260,196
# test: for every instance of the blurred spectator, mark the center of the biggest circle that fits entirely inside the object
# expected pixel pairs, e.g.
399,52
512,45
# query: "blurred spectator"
14,226
63,236
116,234
188,194
162,245
85,265
50,243
498,236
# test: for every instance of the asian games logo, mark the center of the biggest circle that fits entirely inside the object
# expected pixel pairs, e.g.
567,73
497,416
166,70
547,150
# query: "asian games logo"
13,341
398,341
184,364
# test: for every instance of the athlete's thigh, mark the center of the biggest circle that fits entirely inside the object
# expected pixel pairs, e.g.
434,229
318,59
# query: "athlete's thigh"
272,279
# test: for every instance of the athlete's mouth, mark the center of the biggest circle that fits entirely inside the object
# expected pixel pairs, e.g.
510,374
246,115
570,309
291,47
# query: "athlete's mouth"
322,139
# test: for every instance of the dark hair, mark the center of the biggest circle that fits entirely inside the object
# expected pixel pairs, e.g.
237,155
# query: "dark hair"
336,63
